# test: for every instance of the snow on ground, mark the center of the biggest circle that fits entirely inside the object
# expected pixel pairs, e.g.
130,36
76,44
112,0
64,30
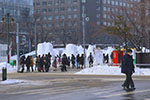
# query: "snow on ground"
111,70
23,82
11,81
8,66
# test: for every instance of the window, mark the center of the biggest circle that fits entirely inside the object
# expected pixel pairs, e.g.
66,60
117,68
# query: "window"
98,22
69,9
44,25
75,16
37,3
62,9
69,24
57,17
62,17
50,18
105,23
38,19
57,25
44,10
98,15
104,1
56,2
50,2
44,3
69,16
105,16
97,1
75,1
56,10
98,8
62,1
49,25
75,8
75,24
69,1
44,18
37,10
117,3
112,2
49,10
105,9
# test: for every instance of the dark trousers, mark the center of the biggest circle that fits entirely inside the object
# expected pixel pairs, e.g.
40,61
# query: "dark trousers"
128,82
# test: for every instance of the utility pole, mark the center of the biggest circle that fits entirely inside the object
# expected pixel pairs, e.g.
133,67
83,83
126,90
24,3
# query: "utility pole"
35,40
8,38
17,41
83,29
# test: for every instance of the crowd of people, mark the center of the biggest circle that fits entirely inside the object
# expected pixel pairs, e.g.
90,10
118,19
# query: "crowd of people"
45,62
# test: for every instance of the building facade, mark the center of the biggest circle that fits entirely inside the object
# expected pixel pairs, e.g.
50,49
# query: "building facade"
20,11
58,20
65,16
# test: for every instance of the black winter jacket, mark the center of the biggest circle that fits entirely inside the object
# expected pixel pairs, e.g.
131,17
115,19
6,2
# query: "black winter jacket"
127,65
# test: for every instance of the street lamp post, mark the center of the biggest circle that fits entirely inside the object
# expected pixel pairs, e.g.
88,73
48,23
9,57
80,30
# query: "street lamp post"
8,39
83,29
35,39
17,41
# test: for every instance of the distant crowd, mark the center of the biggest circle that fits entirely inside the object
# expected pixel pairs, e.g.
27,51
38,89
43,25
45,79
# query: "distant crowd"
45,62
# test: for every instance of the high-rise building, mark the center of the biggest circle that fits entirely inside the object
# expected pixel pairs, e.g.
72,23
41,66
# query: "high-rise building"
21,11
64,18
58,20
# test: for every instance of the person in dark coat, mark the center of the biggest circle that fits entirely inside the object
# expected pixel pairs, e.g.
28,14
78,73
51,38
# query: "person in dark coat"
68,61
73,60
46,63
54,64
49,59
78,61
64,63
42,63
127,67
90,58
38,63
82,60
28,63
22,63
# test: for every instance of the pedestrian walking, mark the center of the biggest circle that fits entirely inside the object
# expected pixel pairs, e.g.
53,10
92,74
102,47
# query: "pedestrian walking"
64,63
68,61
31,63
90,58
127,67
22,63
55,64
49,59
38,63
42,63
46,63
73,60
28,63
78,61
82,61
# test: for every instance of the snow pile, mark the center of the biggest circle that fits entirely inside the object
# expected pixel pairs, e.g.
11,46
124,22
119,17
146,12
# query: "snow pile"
91,49
71,49
111,70
8,66
11,81
45,48
80,50
98,56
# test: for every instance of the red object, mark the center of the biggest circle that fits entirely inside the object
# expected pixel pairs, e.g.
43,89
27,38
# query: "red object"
117,57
